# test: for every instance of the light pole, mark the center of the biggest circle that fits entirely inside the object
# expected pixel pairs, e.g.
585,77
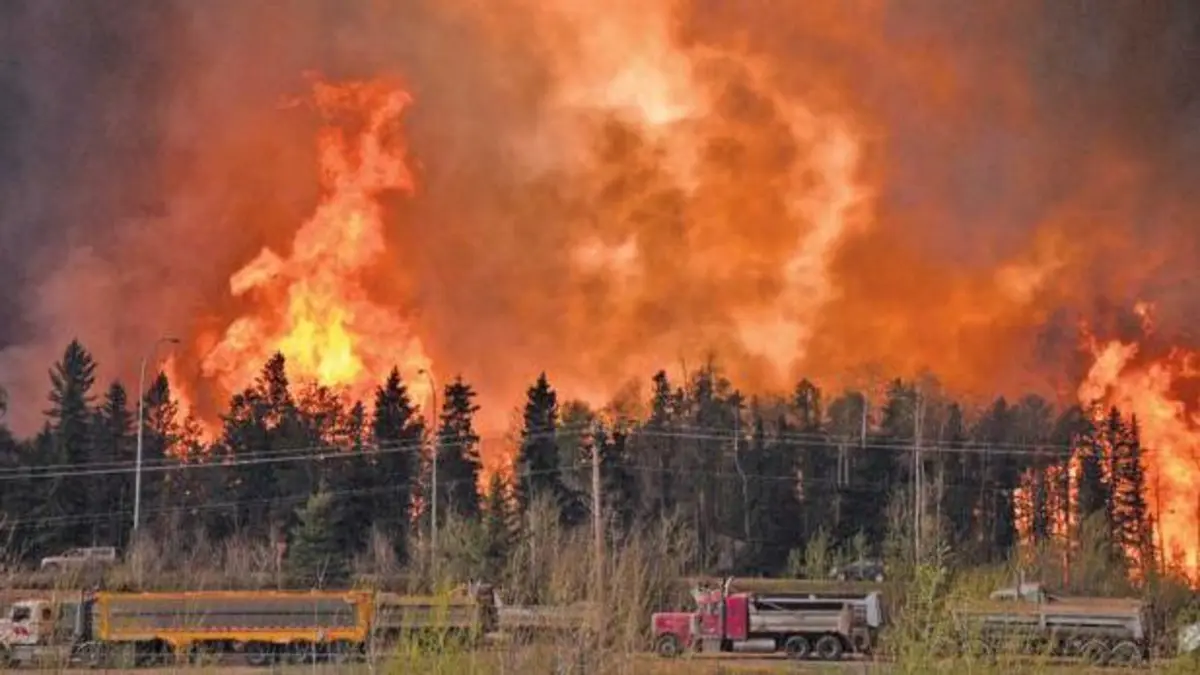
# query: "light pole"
137,479
434,478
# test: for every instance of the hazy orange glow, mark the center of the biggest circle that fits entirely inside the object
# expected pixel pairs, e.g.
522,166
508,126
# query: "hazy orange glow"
841,191
312,305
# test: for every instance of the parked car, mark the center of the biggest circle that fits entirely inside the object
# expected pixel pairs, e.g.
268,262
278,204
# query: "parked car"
81,557
860,570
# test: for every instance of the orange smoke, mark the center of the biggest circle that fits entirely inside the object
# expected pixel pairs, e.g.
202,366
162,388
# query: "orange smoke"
1154,391
313,305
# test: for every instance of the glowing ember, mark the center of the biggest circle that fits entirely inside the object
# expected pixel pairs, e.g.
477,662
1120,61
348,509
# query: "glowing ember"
312,305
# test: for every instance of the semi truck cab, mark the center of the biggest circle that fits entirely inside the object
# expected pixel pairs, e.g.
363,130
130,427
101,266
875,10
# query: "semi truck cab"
28,622
43,631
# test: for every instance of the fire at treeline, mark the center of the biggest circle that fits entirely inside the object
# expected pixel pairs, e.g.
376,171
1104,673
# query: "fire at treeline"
784,485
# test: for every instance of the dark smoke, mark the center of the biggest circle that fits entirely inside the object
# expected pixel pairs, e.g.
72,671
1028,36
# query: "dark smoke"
145,155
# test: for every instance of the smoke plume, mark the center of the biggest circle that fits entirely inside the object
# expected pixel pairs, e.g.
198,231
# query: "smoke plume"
603,189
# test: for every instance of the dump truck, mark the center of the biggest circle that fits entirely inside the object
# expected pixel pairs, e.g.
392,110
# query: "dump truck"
263,627
138,629
1028,618
802,625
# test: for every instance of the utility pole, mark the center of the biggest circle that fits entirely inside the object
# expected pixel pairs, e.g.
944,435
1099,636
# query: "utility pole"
597,537
918,488
137,474
737,460
433,525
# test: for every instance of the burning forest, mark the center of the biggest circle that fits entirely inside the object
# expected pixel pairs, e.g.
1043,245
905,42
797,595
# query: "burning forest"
840,233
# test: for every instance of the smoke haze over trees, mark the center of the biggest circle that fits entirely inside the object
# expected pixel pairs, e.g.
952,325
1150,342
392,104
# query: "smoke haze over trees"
652,169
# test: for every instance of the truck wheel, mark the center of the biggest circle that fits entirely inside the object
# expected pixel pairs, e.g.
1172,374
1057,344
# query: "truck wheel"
91,655
667,646
259,654
797,647
829,648
1126,654
1095,652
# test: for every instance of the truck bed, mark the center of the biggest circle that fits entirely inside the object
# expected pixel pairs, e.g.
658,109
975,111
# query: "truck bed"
243,616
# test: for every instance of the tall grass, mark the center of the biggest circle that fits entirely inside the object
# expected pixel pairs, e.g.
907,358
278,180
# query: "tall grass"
547,564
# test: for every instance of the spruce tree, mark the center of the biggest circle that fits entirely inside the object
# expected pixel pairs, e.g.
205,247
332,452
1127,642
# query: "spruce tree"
856,502
497,525
160,436
1091,487
354,480
113,429
458,452
1132,512
618,483
659,448
70,420
257,425
537,465
398,432
806,448
315,557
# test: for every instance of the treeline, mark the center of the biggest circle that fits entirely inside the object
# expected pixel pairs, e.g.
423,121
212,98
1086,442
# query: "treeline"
754,481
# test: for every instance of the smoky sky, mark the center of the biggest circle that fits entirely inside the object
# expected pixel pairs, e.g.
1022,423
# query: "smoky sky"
144,157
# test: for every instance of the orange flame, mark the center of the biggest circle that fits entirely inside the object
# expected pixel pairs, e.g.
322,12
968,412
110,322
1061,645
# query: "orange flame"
1170,432
312,305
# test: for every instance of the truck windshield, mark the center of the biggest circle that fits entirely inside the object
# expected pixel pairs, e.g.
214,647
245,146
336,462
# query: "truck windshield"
20,614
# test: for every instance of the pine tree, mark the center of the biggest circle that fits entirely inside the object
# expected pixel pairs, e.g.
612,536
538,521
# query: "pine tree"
814,457
856,503
659,449
999,476
1131,510
781,514
618,484
458,452
113,429
258,424
398,432
1091,486
539,475
160,436
497,524
70,418
315,557
961,478
353,479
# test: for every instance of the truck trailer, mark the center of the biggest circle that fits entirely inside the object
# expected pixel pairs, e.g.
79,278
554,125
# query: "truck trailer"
1028,618
803,625
263,627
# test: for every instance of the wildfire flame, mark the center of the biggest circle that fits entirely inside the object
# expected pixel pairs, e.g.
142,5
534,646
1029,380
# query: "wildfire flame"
312,305
1170,432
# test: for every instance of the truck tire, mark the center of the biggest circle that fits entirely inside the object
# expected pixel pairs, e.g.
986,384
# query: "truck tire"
259,654
92,655
667,646
829,648
796,647
1126,653
1095,652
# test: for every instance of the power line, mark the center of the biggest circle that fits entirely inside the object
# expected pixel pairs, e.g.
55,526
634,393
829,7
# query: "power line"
863,486
340,452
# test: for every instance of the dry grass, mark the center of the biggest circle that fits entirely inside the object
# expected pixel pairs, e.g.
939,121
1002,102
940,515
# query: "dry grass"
549,565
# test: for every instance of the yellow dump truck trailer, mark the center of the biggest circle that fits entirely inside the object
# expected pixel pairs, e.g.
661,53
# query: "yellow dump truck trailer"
263,627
